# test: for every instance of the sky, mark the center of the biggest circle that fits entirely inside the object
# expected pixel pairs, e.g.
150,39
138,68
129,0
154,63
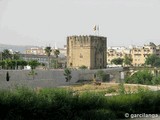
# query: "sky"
49,22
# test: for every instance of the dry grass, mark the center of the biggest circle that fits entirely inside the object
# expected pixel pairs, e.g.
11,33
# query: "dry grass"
104,87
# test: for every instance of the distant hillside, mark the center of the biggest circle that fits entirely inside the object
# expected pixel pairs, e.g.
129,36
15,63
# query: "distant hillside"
19,48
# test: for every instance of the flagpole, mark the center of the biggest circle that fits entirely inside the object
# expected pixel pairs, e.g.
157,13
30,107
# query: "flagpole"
95,29
98,29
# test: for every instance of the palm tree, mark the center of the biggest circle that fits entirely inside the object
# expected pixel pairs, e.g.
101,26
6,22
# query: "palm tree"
48,51
6,54
56,53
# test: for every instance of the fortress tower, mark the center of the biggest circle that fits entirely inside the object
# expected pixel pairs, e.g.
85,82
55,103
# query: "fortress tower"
86,50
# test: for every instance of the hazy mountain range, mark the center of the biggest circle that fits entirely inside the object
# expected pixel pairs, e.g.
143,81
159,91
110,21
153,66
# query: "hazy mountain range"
19,48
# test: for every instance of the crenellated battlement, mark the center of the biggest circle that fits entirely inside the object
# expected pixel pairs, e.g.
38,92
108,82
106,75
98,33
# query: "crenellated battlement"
85,40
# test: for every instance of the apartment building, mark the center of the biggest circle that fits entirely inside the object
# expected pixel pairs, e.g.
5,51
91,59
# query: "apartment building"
39,58
35,51
41,51
117,52
137,53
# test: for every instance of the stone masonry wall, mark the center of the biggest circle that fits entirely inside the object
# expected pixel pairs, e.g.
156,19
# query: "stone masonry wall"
49,78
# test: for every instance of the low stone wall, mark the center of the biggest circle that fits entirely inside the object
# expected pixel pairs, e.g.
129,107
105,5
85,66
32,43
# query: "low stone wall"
44,78
114,74
48,78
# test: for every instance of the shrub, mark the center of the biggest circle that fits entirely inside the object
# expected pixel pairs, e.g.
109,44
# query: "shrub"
83,67
121,89
111,90
23,103
156,80
101,75
140,77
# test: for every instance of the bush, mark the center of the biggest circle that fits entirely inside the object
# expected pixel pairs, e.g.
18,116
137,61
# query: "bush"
121,89
101,75
111,90
52,104
156,80
83,67
140,77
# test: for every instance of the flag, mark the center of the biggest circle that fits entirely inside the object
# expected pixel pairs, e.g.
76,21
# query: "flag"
95,27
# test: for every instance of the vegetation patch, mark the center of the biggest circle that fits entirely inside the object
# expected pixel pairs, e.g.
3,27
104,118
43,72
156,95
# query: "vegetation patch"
66,104
144,77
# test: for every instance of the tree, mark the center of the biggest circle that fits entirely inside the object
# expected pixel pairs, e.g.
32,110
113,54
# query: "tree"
33,64
67,74
48,51
117,61
56,53
9,64
127,60
32,73
2,64
140,77
16,56
21,63
157,62
6,54
7,76
151,60
9,60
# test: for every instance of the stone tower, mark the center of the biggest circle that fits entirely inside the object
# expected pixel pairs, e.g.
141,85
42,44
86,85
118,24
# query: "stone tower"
86,50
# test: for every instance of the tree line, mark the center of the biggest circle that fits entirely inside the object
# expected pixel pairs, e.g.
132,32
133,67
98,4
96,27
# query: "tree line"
11,61
14,61
127,60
